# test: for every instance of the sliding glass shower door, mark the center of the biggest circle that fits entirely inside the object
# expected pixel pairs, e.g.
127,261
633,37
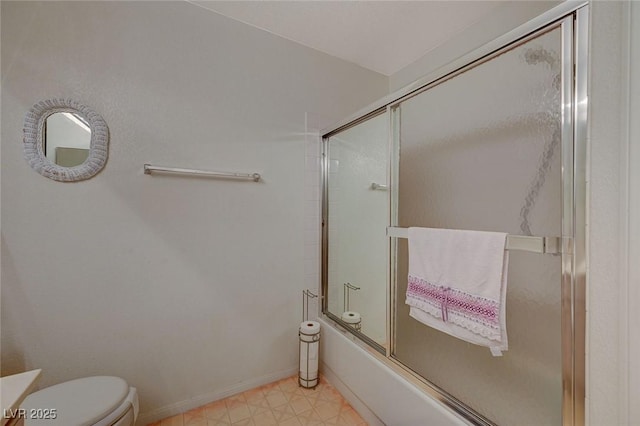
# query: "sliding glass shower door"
483,151
356,214
497,143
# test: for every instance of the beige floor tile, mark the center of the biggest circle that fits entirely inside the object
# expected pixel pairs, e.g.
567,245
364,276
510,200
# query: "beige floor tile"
299,404
327,410
330,394
197,421
321,394
217,411
264,418
219,422
310,418
348,419
291,422
239,411
253,395
195,417
201,421
298,391
312,397
276,398
257,406
232,401
333,421
282,403
173,421
283,412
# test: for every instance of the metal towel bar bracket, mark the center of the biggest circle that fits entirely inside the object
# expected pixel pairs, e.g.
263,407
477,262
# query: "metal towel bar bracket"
306,295
148,169
544,245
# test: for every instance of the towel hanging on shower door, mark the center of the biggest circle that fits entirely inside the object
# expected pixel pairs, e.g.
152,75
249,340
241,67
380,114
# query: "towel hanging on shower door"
458,284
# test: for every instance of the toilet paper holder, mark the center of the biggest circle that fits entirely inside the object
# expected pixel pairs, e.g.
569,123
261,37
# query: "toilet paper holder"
309,339
355,323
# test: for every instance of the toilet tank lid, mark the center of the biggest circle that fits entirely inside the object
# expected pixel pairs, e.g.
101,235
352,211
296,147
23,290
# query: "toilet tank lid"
79,402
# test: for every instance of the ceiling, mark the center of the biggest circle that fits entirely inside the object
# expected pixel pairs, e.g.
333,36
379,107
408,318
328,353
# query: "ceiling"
384,36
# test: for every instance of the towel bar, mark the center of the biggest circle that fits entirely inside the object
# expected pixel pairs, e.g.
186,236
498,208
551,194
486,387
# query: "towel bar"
544,245
148,169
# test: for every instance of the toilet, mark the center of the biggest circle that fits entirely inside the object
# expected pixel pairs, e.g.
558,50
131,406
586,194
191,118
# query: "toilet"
89,401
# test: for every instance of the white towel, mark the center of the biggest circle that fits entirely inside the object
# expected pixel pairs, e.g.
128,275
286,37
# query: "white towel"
458,284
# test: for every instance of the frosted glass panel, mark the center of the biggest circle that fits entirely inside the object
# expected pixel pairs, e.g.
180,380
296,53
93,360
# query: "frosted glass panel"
482,151
358,216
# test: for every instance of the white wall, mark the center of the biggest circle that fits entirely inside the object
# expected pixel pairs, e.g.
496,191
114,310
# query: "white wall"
188,288
632,220
605,203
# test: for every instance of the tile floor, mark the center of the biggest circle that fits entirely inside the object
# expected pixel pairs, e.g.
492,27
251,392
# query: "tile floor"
281,403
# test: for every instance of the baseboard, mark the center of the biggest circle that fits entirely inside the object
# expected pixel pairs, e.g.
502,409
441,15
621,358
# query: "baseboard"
200,400
357,404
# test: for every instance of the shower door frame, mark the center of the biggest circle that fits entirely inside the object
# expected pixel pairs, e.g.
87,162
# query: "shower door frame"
572,18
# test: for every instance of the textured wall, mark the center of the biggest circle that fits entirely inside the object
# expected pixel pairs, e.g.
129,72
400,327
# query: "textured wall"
183,286
633,191
605,201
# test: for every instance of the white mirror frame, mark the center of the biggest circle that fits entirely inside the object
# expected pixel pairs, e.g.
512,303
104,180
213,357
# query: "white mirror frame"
33,146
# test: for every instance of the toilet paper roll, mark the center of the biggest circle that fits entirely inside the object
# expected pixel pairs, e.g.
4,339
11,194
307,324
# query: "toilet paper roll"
351,317
308,329
309,345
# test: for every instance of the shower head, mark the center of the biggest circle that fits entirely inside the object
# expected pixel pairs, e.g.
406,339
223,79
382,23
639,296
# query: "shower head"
536,55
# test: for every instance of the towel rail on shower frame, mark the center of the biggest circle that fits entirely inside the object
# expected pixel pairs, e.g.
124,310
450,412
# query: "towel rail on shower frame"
148,169
378,187
544,245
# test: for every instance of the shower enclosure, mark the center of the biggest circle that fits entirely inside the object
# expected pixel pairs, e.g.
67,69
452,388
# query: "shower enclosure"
494,144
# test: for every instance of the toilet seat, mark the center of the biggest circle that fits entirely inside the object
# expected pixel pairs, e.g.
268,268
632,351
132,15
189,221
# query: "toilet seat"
126,414
99,401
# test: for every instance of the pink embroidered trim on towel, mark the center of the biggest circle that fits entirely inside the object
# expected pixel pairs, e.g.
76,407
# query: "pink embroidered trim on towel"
480,310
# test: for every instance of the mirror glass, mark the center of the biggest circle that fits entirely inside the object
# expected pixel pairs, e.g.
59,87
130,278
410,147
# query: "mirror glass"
357,206
66,139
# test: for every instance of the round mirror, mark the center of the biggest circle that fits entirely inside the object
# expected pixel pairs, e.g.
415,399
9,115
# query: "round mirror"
65,140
